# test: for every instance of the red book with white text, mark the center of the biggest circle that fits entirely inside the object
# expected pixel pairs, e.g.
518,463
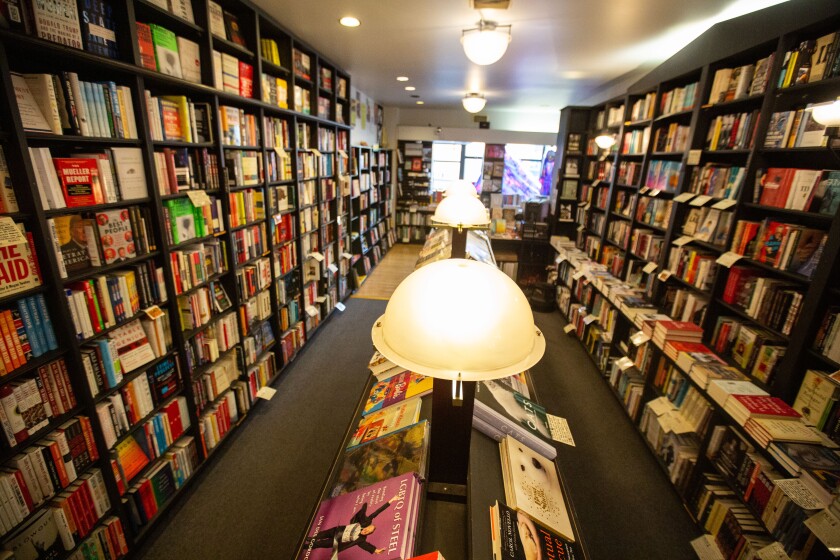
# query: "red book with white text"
79,179
744,407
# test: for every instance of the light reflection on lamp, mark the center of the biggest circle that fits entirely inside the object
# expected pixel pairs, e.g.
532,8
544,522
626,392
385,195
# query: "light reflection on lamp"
605,141
486,43
828,115
461,186
461,210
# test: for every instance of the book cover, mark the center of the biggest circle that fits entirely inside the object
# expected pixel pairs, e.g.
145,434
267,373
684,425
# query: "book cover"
58,21
131,176
131,457
522,538
386,420
394,454
396,389
217,20
232,30
133,346
29,109
72,241
498,403
99,28
378,521
190,59
79,178
831,193
38,539
816,394
146,46
533,487
166,51
18,267
116,235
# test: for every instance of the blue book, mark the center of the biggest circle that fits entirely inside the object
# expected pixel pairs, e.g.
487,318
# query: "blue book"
93,109
29,326
49,334
109,363
110,89
37,323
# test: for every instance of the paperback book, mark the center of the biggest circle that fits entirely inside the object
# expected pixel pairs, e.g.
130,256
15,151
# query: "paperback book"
386,420
518,537
397,389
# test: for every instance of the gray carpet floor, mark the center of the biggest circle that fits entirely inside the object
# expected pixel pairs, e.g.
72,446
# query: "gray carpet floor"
255,499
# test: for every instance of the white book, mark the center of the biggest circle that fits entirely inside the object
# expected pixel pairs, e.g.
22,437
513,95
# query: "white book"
7,191
183,9
46,178
43,90
131,176
31,115
217,20
108,432
133,346
230,73
190,60
803,184
218,76
82,116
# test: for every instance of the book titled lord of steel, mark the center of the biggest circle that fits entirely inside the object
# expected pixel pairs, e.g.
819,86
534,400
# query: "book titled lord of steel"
378,521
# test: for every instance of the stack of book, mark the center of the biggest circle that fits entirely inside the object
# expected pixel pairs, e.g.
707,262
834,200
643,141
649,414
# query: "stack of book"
677,331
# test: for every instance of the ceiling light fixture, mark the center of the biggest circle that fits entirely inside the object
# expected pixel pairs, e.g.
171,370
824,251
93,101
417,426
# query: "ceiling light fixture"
349,21
605,141
421,102
473,102
486,43
402,78
410,88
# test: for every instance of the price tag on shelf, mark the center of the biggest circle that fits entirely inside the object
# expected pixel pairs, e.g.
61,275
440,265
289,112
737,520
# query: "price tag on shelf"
311,311
654,192
154,312
560,259
826,527
625,363
266,393
316,151
700,200
559,428
706,548
281,153
684,197
347,255
278,218
321,299
199,198
10,234
643,190
724,204
664,275
580,228
340,306
649,267
577,275
683,240
728,259
568,328
589,319
693,157
596,182
332,268
639,338
342,153
316,255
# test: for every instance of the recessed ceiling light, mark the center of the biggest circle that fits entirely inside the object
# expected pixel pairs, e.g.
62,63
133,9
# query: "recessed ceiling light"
349,21
402,78
420,102
410,88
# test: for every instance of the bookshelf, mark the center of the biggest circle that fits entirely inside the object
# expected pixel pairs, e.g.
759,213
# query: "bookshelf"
674,205
415,203
230,145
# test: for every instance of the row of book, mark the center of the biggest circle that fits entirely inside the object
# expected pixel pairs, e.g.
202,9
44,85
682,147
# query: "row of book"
812,61
176,118
232,75
161,50
717,180
753,349
243,168
64,104
678,99
87,179
773,303
54,466
28,405
239,128
730,84
808,190
732,132
780,245
225,25
674,138
708,224
208,344
663,175
180,169
827,342
188,220
795,129
26,332
216,379
197,264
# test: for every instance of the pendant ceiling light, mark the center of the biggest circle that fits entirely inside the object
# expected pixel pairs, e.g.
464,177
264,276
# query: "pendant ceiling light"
473,102
486,43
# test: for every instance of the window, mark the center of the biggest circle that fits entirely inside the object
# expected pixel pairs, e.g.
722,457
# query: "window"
528,170
456,160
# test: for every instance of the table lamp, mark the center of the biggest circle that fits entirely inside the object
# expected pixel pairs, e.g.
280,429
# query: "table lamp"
458,321
461,209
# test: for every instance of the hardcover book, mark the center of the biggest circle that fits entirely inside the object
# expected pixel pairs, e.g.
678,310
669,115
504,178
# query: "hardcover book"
79,179
39,539
116,235
518,537
397,453
58,21
71,238
166,51
397,389
533,487
18,267
386,420
378,521
99,28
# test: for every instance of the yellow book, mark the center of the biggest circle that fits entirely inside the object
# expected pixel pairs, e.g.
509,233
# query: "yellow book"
183,114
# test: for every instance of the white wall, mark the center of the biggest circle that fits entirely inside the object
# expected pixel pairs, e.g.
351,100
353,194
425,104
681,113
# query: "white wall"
475,135
536,120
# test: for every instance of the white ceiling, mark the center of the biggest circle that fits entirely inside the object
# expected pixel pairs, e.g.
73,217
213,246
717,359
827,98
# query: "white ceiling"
560,49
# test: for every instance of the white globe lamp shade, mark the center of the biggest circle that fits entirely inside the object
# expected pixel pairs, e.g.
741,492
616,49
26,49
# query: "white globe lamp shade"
461,210
473,102
461,187
605,141
827,114
486,43
458,318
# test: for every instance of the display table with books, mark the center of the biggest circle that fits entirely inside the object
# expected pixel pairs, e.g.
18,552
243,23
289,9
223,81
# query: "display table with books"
377,500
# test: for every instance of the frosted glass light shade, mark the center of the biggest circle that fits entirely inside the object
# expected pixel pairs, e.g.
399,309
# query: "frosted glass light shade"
605,141
461,186
461,210
459,317
486,43
473,102
828,114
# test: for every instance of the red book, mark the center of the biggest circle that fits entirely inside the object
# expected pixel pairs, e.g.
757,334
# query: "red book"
762,406
173,415
775,186
677,326
147,46
24,490
57,460
89,442
79,178
147,498
246,80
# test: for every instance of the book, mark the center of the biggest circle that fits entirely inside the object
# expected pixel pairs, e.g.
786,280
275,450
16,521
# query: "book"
744,407
167,59
386,420
505,411
190,60
18,267
99,26
817,394
38,539
31,115
131,177
71,239
533,487
380,519
396,389
116,235
516,536
403,451
57,21
830,200
79,178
